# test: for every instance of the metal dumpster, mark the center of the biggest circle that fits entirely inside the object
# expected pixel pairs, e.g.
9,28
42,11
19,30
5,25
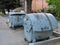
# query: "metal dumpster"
39,26
16,18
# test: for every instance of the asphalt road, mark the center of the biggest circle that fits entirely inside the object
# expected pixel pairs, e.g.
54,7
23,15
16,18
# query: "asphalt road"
9,36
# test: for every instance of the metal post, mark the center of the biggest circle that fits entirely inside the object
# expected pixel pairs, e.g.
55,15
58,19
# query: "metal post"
42,4
26,6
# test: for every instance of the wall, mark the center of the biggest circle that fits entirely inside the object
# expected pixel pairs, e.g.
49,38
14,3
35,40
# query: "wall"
39,4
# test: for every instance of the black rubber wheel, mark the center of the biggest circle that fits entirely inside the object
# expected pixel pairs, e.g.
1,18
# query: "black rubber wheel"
10,27
25,39
47,38
30,42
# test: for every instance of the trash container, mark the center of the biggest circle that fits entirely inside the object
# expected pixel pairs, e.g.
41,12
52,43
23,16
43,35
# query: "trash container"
39,26
16,19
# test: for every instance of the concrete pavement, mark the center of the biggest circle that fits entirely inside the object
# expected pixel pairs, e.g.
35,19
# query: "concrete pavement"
9,36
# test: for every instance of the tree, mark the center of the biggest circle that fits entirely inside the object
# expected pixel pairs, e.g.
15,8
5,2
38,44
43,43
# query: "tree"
55,5
9,4
29,3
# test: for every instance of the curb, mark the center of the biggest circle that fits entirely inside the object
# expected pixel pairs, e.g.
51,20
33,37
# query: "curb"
56,34
53,41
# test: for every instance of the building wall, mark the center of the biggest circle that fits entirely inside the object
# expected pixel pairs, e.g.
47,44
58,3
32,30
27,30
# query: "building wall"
35,6
39,5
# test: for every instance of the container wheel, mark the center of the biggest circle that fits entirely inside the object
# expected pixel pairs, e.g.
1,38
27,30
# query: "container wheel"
10,25
25,39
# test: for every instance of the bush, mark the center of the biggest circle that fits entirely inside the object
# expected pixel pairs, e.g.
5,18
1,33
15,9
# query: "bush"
54,7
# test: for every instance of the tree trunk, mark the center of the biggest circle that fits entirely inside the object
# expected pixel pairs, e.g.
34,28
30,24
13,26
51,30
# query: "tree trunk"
29,3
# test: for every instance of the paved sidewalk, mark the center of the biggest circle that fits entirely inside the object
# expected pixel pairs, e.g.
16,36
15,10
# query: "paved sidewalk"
9,36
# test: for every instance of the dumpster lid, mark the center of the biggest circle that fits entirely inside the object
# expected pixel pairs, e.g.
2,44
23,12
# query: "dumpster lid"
41,23
52,20
17,13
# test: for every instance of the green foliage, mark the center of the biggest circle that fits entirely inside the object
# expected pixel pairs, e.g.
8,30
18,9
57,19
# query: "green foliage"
9,3
55,6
